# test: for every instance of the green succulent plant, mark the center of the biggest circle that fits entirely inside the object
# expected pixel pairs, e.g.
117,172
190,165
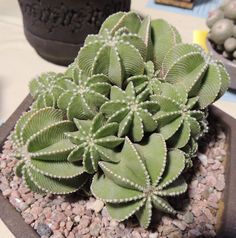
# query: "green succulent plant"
190,67
148,80
95,140
133,79
133,112
178,119
132,22
82,96
45,90
145,177
117,56
42,149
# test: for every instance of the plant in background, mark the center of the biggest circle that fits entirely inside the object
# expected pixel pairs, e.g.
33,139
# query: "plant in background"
132,107
223,29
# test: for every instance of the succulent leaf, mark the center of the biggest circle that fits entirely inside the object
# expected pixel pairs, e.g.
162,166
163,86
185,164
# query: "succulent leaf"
165,37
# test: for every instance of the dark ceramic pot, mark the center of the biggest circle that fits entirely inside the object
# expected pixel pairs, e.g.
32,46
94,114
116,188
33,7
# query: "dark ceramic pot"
57,28
229,65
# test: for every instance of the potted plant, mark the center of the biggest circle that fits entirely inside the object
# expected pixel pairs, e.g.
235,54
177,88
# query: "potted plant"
222,36
57,29
122,124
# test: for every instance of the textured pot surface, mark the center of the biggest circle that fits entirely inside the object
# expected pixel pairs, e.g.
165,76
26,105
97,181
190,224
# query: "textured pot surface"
57,29
230,66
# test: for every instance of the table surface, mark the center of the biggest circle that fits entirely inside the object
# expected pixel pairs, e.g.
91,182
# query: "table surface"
20,63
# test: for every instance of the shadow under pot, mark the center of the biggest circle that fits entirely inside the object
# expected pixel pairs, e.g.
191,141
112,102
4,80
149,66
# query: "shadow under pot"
57,28
229,65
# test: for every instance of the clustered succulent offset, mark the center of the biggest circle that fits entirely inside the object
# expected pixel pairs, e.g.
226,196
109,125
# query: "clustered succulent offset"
222,24
127,115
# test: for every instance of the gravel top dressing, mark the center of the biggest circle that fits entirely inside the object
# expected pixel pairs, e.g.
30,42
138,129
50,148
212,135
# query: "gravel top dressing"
77,216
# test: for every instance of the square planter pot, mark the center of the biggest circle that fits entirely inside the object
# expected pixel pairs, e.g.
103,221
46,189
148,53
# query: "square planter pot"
227,218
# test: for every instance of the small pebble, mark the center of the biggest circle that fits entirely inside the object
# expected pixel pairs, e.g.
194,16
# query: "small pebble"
203,159
188,217
153,235
43,230
97,205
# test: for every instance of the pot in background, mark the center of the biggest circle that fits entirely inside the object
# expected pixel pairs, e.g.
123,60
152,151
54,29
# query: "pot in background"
229,65
57,28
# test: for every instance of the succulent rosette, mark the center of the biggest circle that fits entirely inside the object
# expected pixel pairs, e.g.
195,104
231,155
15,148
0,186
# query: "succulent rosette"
133,112
145,177
42,149
95,140
45,90
179,118
191,68
82,96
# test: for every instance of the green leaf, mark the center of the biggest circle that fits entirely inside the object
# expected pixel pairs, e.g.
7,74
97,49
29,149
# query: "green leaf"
125,124
132,61
111,107
57,169
182,136
51,135
110,141
115,71
87,55
171,128
153,156
57,186
137,42
40,120
178,187
144,214
137,132
175,53
187,70
64,100
145,33
111,21
87,162
123,211
101,188
175,166
164,38
29,182
129,170
162,205
107,130
149,124
210,88
225,80
76,154
129,20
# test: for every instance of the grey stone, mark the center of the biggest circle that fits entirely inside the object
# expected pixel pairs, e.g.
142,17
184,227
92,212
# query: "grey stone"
43,230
